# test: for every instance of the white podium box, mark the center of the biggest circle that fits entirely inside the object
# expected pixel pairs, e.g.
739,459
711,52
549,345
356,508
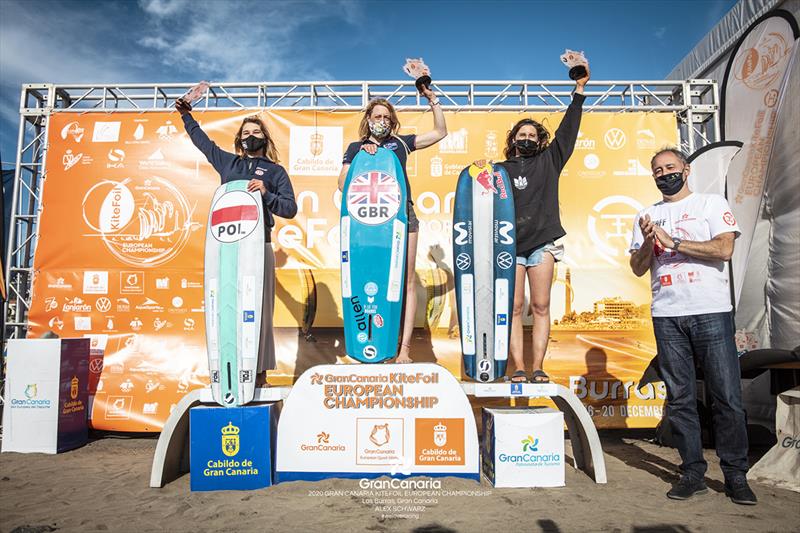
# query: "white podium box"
523,447
586,448
46,395
363,421
780,466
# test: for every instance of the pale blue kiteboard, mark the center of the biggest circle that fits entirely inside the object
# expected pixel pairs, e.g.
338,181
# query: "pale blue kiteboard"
234,281
484,256
373,255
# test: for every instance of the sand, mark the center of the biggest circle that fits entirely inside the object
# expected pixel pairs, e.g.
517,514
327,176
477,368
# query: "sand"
103,486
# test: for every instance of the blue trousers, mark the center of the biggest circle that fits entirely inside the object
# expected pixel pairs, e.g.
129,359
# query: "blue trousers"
707,339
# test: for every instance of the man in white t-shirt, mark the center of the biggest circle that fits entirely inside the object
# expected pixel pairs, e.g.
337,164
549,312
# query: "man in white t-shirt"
685,241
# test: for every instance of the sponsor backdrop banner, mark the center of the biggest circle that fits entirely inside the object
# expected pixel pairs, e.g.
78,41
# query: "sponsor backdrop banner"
120,252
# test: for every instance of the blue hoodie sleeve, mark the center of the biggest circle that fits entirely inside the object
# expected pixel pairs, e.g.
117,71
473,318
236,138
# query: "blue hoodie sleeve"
219,158
279,198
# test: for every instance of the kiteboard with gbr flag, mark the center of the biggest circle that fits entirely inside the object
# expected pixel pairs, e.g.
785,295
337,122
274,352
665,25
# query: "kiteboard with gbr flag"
373,227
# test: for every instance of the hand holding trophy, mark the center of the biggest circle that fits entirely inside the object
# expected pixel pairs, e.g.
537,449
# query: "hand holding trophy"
577,64
192,96
418,70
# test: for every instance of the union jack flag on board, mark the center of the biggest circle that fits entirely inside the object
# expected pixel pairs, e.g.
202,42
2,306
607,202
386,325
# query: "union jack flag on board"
374,188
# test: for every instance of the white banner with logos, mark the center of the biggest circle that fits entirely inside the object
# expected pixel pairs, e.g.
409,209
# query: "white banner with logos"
45,395
752,94
371,420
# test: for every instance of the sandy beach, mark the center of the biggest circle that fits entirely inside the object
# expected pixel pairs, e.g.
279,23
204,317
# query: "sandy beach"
104,487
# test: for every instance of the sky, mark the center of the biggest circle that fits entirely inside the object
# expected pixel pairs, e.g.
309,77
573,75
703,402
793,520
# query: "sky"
149,41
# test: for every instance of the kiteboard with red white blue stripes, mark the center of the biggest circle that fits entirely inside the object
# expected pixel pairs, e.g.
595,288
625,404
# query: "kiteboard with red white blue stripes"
234,281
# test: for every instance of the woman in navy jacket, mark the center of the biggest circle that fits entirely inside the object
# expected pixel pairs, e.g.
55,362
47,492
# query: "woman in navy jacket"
255,160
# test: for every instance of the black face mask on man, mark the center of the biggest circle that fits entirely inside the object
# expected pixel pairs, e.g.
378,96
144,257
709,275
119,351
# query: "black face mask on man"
526,147
670,184
251,143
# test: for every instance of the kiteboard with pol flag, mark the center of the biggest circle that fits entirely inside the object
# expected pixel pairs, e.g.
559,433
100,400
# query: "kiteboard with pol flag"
234,281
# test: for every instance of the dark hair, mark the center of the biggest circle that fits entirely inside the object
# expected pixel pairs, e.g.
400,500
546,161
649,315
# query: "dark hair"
677,152
541,132
269,150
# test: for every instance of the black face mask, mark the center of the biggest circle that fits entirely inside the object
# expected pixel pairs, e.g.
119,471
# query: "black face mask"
526,147
670,184
251,143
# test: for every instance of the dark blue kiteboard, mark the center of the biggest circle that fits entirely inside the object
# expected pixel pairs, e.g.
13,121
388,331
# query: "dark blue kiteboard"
484,256
373,230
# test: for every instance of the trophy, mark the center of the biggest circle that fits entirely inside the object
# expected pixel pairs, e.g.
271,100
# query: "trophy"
576,62
193,95
417,69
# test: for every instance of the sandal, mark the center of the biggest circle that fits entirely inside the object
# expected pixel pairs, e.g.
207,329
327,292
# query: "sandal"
519,374
539,376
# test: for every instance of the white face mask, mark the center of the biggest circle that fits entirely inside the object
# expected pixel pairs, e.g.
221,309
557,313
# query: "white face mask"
379,129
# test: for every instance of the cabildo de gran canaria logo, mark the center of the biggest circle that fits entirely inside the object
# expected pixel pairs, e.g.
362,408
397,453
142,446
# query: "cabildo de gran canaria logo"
31,400
230,440
73,387
527,458
73,405
230,467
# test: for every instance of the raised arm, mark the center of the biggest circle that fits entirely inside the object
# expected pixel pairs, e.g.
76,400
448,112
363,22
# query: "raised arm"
567,133
439,130
215,155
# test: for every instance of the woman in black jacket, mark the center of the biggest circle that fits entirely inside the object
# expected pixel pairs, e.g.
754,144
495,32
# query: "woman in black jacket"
255,160
534,165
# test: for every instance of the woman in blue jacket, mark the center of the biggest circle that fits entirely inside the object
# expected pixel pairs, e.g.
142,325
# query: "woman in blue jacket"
255,160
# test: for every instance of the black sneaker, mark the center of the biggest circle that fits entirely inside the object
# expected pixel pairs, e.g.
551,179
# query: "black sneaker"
739,491
685,488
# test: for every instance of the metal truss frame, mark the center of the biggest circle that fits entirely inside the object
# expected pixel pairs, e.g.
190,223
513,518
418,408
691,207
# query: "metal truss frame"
695,104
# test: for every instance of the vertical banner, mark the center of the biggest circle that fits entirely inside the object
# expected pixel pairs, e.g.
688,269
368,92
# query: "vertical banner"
120,252
752,90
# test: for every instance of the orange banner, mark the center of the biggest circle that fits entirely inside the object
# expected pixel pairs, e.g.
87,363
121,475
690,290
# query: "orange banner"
120,252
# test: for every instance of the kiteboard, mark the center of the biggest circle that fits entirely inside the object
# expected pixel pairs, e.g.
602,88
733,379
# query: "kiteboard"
234,280
484,253
373,230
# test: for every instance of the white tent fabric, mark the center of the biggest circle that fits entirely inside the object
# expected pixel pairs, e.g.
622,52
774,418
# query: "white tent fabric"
782,209
708,58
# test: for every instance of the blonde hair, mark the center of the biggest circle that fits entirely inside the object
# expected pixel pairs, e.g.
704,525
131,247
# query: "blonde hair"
363,127
269,150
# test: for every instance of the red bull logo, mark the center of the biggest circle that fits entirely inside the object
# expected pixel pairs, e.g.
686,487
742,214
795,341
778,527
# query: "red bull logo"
500,185
484,178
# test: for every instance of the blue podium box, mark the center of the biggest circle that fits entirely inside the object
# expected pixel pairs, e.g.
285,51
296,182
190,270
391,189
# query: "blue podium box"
231,448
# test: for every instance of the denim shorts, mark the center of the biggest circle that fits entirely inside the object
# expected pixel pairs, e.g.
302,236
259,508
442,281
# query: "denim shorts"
537,255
